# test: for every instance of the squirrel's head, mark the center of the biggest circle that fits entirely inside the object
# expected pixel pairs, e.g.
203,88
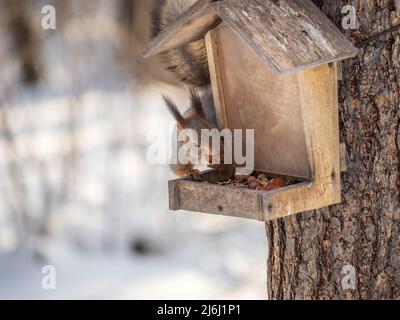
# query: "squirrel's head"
194,119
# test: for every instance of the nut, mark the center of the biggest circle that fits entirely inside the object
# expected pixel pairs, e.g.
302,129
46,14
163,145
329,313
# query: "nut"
262,176
273,186
280,182
251,178
254,184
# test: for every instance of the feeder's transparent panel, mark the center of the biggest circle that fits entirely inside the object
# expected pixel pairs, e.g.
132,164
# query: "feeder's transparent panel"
256,98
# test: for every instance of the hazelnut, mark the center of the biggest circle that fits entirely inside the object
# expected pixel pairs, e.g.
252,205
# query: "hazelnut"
251,178
280,182
272,186
254,184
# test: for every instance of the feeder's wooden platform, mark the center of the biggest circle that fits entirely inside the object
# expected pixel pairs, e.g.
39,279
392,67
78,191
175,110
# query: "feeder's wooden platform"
186,194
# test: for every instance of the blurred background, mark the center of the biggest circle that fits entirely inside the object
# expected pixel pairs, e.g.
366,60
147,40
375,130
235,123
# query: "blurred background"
76,192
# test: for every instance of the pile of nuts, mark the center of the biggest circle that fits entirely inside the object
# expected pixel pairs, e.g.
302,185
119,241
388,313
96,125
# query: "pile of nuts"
257,182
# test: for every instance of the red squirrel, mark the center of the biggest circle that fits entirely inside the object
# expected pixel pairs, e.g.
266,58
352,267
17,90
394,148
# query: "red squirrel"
189,64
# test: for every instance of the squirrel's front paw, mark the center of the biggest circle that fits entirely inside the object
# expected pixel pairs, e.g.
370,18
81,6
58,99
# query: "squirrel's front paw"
196,175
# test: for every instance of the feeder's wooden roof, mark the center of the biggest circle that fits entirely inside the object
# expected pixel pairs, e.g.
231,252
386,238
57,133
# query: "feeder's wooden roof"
288,35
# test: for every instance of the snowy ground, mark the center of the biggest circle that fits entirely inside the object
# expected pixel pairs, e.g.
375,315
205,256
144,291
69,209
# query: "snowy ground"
224,266
109,233
115,238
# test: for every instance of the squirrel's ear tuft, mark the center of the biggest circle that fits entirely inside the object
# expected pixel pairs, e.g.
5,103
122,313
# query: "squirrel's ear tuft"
195,102
156,18
174,111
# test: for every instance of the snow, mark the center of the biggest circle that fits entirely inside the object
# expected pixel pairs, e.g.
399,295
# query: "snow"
96,209
118,199
202,267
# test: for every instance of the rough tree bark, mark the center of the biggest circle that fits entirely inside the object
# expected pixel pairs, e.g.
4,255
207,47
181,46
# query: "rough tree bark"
309,252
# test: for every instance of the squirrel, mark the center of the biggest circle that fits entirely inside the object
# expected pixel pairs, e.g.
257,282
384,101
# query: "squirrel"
195,119
189,64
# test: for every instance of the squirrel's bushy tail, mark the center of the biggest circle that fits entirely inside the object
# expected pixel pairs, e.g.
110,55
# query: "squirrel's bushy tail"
188,63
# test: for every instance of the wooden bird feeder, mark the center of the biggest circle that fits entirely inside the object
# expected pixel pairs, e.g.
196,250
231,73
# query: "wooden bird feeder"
274,69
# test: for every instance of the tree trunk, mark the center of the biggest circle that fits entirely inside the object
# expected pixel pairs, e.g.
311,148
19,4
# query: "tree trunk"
352,250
